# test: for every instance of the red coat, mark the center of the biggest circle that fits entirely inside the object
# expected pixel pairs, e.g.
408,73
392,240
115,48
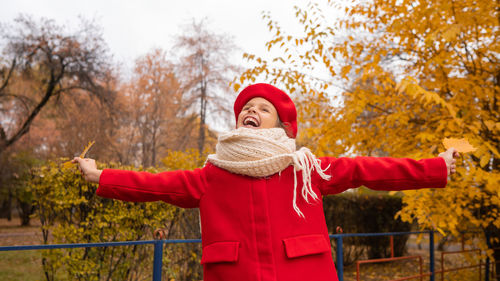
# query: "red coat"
250,231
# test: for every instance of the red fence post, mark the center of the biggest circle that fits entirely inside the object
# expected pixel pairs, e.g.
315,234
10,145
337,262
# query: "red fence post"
392,246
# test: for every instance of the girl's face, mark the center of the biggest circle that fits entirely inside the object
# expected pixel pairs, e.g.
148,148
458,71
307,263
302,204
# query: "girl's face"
258,113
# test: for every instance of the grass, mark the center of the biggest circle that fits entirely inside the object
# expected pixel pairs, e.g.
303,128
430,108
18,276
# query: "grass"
21,265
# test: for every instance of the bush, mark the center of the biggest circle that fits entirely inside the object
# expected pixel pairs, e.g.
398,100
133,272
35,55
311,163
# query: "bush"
366,213
70,212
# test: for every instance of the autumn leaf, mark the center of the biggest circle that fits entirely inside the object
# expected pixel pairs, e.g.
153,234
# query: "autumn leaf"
86,149
82,155
461,145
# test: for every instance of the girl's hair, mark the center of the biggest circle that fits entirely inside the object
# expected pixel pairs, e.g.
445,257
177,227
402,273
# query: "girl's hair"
285,126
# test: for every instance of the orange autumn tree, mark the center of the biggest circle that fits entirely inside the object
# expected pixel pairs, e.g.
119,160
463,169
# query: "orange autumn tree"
400,76
151,107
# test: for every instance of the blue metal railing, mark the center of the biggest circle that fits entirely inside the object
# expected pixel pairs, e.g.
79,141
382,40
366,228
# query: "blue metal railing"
158,249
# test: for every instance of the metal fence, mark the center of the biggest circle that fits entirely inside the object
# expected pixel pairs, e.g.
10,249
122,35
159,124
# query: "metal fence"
339,239
432,269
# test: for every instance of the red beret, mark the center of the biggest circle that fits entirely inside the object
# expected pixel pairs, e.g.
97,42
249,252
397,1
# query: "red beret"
281,101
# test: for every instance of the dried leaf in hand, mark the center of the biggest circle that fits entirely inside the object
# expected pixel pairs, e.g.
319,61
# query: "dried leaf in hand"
86,149
68,164
461,145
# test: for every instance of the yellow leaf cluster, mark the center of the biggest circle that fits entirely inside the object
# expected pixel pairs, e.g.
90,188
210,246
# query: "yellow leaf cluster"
70,212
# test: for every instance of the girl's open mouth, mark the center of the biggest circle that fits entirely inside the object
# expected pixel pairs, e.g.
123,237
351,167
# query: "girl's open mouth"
251,121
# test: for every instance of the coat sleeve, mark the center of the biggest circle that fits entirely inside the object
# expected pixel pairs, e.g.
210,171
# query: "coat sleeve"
382,173
180,188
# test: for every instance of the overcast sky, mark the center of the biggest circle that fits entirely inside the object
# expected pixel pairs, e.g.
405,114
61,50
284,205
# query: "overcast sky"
133,27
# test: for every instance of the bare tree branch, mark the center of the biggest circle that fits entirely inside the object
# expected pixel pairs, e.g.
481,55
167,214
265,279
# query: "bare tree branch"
7,78
55,63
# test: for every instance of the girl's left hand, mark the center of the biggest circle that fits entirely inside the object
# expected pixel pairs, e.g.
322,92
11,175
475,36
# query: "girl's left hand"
88,168
449,157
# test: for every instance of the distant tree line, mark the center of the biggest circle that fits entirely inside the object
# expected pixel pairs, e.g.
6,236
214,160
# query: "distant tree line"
59,89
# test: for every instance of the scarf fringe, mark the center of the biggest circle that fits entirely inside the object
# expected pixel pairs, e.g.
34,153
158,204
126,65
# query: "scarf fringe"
305,161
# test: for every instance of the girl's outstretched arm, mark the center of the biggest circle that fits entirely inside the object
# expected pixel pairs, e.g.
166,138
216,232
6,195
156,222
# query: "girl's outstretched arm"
183,188
386,173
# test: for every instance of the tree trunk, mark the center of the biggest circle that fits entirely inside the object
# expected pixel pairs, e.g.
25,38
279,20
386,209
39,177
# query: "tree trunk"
493,232
496,261
496,255
203,110
6,209
25,211
153,149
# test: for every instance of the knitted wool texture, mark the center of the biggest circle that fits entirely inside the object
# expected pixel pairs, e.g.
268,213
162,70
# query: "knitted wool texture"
265,152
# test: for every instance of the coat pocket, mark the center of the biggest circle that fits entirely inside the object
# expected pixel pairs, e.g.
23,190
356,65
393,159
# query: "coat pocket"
306,245
220,252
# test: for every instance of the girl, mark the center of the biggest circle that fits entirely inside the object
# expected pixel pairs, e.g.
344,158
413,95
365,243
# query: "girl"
260,198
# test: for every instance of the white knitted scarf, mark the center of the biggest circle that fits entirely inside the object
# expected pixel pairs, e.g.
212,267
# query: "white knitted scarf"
264,152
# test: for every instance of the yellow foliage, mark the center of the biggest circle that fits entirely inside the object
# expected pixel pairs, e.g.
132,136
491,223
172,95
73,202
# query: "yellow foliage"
184,160
425,71
71,212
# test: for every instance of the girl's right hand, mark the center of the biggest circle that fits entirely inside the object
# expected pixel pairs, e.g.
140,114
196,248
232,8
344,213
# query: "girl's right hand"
449,158
88,168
